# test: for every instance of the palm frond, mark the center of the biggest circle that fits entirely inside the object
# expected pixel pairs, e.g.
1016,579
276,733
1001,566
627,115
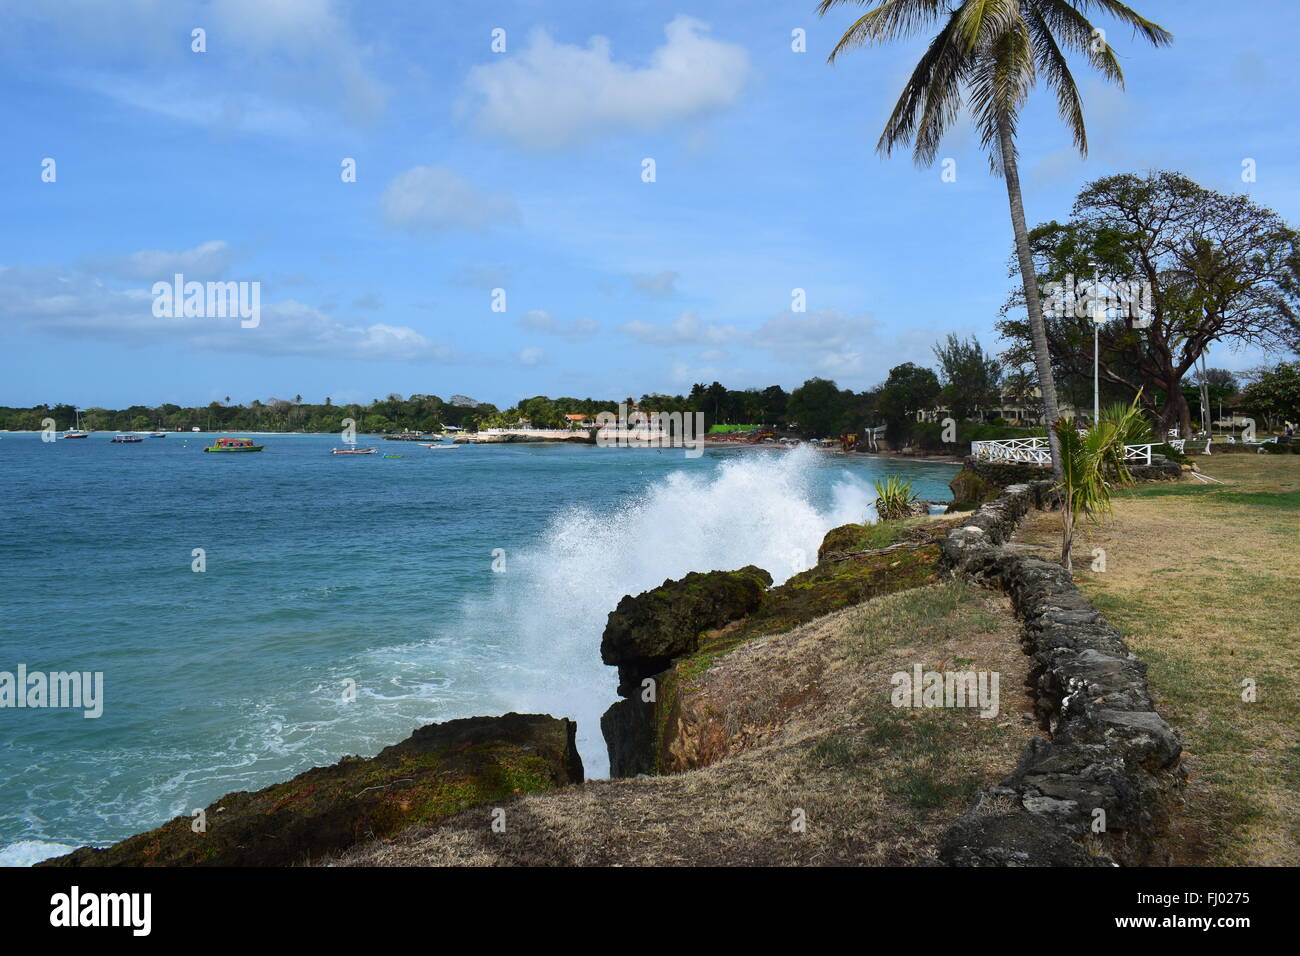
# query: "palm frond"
931,100
892,20
1154,32
1053,67
1000,81
979,22
1076,33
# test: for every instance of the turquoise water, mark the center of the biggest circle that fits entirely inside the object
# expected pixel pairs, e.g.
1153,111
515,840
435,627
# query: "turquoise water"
323,569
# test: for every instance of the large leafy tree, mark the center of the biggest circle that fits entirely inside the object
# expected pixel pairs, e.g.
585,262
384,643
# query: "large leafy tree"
819,407
988,54
1215,268
1274,394
972,379
908,390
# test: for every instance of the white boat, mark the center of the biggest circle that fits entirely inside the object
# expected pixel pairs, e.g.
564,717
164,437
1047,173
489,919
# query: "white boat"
78,431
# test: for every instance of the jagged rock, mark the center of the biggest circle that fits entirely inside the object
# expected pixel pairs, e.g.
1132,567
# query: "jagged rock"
439,770
970,490
1160,469
845,538
629,731
668,734
644,633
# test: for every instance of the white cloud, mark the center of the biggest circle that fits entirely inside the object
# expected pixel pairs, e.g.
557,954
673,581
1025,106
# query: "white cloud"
827,342
68,303
540,321
482,276
432,199
208,260
686,329
659,286
531,356
550,95
815,331
271,66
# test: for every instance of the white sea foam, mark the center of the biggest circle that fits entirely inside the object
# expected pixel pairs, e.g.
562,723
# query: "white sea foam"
28,852
554,601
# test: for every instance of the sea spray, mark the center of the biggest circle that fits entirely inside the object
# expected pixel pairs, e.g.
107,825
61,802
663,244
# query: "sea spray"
554,601
405,606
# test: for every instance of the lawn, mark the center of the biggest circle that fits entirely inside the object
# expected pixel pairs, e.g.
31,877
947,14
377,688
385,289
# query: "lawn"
1204,582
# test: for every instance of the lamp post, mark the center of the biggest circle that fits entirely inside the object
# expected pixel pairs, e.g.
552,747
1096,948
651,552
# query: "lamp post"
1098,316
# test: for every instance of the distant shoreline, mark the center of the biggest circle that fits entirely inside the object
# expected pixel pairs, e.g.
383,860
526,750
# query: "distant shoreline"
708,443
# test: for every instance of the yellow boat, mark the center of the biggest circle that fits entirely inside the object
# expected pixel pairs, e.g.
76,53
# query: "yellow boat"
234,445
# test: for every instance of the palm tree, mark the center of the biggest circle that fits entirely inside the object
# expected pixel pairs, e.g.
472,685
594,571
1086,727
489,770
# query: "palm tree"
991,52
1088,459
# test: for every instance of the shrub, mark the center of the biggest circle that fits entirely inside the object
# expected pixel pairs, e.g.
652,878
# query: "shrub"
894,498
929,435
1170,452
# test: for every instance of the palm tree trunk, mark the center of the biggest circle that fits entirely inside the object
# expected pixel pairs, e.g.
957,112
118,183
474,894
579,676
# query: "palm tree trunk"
1067,538
1029,279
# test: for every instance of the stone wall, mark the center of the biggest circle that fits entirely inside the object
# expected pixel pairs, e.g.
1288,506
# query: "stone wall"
981,480
1101,789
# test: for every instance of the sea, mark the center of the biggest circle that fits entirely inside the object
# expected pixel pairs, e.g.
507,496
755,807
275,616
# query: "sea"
255,615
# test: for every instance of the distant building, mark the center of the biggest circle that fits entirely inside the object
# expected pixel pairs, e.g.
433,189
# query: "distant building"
1013,410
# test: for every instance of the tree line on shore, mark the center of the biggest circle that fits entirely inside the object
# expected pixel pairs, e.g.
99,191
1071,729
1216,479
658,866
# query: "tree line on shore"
967,384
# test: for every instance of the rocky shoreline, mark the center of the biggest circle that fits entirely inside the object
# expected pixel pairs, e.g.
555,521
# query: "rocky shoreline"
438,771
1113,754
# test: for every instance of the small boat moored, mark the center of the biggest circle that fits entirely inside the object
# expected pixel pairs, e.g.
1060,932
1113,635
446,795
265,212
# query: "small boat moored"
126,439
354,451
77,431
233,445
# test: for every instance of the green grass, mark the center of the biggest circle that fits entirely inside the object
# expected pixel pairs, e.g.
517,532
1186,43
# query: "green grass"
1204,583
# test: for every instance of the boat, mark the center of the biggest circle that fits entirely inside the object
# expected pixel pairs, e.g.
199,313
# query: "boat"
157,434
233,445
125,439
78,431
394,456
354,451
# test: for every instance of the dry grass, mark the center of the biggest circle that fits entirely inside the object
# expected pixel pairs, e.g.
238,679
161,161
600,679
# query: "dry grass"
876,784
1204,582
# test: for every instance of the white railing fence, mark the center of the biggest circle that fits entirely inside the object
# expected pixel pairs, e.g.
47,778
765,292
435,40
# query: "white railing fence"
1035,451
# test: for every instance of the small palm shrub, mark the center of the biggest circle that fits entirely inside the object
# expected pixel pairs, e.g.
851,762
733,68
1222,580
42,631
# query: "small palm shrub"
1087,460
894,498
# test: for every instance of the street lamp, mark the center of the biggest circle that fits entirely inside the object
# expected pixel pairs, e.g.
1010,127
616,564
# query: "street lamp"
1098,317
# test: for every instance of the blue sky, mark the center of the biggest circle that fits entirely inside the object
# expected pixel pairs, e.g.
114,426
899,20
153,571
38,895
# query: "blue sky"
522,170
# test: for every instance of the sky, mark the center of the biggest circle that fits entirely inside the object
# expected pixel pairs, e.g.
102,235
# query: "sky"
503,146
